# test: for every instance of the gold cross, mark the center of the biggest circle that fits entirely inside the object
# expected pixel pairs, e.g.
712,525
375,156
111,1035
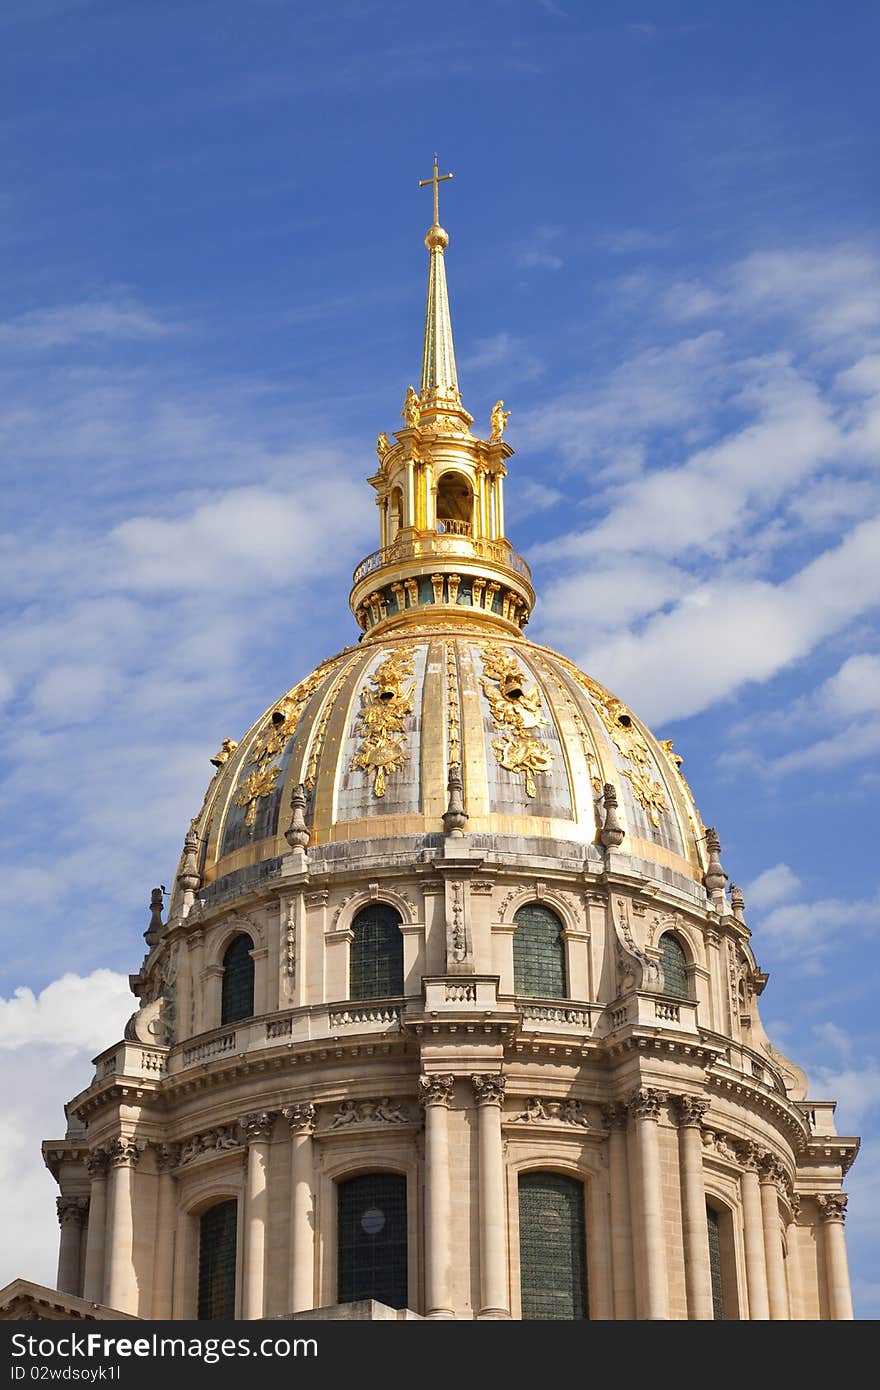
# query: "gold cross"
436,179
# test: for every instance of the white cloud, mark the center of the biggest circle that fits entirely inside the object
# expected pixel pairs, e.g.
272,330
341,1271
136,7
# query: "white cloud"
772,886
808,931
72,1013
504,350
538,252
855,688
856,1090
74,323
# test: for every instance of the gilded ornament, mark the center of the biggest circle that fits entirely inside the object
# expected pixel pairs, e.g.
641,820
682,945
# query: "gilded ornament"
283,719
518,717
629,741
380,722
259,783
383,444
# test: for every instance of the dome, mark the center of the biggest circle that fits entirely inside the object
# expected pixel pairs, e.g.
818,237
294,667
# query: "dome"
371,733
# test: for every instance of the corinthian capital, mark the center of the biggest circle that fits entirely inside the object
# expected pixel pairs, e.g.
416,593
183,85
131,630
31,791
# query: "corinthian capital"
772,1171
71,1210
488,1088
124,1153
645,1103
615,1114
300,1118
690,1110
258,1126
749,1155
436,1089
833,1206
97,1162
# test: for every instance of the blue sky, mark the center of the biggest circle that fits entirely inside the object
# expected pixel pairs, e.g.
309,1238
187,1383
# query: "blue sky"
664,257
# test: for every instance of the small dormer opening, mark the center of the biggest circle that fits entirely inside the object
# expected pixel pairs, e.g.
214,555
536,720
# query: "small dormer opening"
395,513
455,505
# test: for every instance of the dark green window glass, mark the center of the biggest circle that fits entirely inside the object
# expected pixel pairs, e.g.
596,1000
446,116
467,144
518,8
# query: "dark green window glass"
372,1255
538,953
552,1247
238,981
376,953
673,964
715,1265
217,1261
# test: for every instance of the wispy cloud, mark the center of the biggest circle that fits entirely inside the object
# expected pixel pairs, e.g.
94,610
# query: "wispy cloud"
100,320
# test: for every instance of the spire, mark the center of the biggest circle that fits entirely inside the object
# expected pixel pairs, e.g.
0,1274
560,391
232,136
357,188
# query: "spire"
439,378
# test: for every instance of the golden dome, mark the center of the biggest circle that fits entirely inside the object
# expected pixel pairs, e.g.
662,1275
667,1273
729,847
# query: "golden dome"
371,733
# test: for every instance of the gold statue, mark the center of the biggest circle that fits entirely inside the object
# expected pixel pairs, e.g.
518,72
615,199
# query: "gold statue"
383,444
412,410
224,753
499,419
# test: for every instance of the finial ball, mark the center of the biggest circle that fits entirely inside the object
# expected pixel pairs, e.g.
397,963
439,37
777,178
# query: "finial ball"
436,237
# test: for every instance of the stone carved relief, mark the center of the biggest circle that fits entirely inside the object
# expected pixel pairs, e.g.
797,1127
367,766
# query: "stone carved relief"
211,1141
458,936
369,1112
718,1144
566,1112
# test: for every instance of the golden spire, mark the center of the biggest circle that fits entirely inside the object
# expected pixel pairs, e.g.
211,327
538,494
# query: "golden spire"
439,379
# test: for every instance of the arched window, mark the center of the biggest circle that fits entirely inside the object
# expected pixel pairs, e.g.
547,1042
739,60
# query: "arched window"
376,953
395,513
552,1247
371,1239
714,1226
455,505
238,981
538,953
673,964
217,1236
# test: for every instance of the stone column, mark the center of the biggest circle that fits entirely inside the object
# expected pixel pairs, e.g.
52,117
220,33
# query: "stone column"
652,1285
793,1263
93,1279
771,1175
257,1131
713,961
301,1119
167,1157
623,1280
698,1275
122,1290
753,1232
489,1092
71,1215
435,1093
832,1208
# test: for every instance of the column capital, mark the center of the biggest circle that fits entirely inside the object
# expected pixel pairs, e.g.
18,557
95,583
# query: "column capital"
489,1088
167,1156
300,1117
749,1154
258,1126
436,1089
711,936
97,1163
771,1171
689,1110
71,1210
832,1205
615,1114
124,1153
645,1103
